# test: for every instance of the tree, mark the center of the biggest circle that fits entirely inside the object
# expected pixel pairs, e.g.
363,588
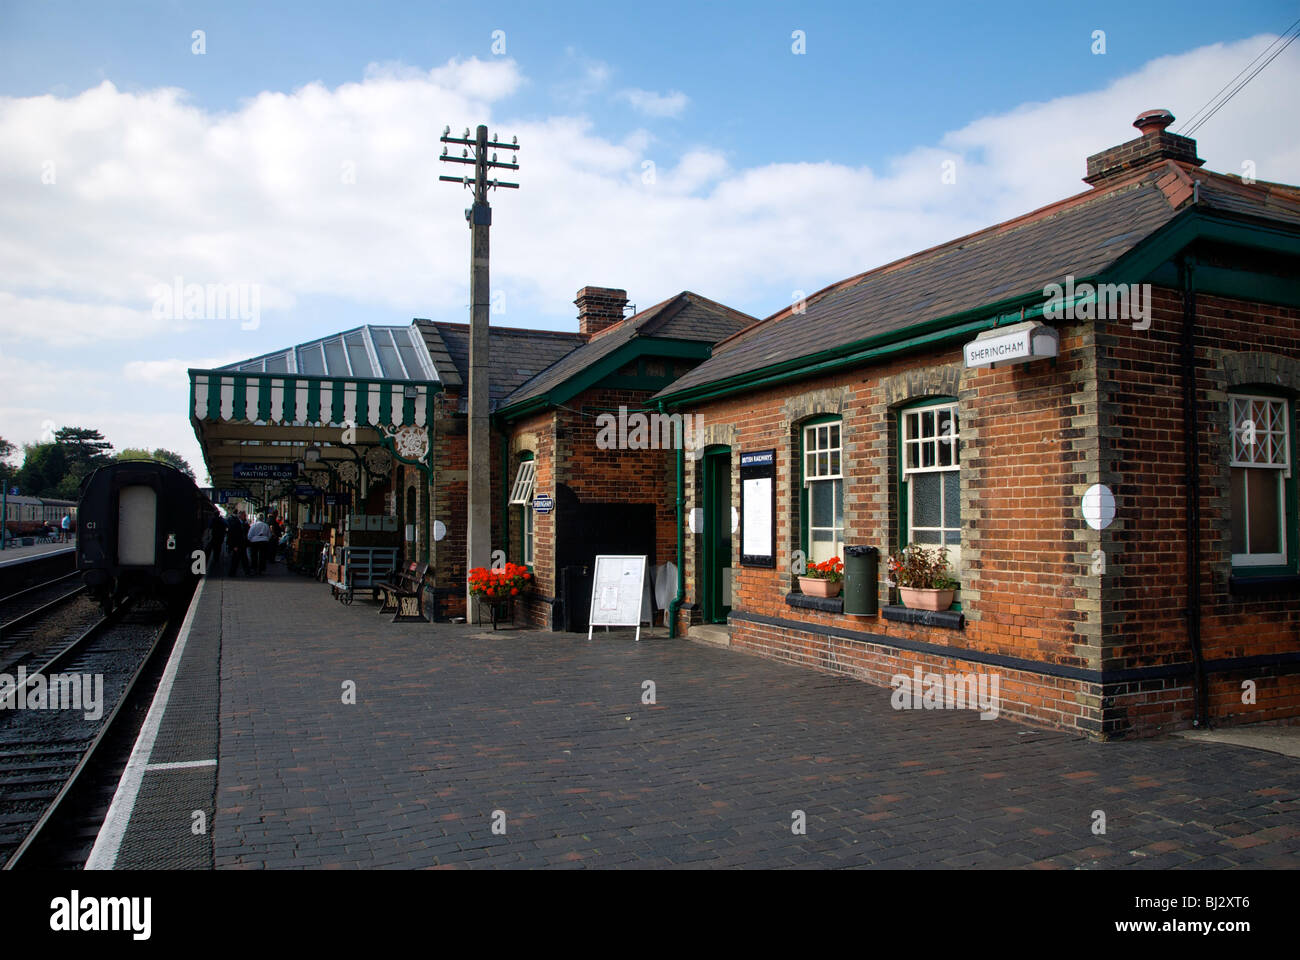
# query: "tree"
44,467
85,449
161,455
7,470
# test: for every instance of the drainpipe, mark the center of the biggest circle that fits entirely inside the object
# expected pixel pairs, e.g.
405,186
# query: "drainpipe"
505,492
1192,452
676,603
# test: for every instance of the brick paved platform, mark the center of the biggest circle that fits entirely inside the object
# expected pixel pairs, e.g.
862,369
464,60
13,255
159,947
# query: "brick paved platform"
454,723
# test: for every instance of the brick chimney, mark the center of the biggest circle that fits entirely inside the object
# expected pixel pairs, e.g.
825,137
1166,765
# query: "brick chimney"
598,308
1153,146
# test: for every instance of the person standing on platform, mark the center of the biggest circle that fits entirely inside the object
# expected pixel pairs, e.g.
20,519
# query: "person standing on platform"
259,536
273,543
237,543
218,530
66,524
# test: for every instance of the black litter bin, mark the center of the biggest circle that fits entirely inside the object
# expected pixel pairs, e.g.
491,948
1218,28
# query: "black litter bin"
861,581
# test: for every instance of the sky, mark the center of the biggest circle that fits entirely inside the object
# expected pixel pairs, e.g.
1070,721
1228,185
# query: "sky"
750,152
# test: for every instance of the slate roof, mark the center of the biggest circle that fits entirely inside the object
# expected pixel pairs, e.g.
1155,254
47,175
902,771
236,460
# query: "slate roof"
687,316
516,355
1082,235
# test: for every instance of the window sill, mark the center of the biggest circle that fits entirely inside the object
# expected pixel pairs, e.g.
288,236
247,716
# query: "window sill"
948,619
1248,585
824,604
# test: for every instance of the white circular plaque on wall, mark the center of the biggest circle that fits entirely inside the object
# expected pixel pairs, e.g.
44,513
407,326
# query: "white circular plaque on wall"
1098,506
695,520
439,530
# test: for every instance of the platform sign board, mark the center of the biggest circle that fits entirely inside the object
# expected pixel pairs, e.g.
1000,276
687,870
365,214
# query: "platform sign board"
266,471
543,503
338,499
757,508
618,587
1018,343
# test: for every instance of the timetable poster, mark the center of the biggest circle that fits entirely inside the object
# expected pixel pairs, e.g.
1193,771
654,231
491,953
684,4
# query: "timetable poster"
757,508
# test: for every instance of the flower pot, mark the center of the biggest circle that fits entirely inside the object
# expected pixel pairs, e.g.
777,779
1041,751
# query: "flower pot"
918,599
817,587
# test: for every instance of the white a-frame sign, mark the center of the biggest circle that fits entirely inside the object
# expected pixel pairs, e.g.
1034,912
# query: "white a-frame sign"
617,589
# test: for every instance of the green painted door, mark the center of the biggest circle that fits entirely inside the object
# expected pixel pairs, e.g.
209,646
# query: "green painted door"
717,534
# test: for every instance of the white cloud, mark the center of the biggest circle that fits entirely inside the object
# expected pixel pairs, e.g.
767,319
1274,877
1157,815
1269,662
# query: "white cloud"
586,79
653,104
173,373
44,393
67,323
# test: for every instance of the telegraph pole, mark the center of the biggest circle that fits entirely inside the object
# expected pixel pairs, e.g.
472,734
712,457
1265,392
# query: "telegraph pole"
478,546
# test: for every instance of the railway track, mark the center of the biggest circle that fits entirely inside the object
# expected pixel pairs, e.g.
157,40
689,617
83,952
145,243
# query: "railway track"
60,759
21,610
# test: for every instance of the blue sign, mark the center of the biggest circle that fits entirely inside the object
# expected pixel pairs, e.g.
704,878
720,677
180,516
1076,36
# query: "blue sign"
338,499
306,490
542,503
13,491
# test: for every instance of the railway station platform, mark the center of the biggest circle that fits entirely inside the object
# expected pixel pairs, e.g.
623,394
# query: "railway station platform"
11,555
294,732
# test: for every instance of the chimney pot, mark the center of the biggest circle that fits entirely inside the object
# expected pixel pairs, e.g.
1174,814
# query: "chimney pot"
1153,121
1154,146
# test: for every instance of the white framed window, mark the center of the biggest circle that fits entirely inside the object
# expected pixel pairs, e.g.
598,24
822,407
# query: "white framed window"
824,484
1261,465
522,491
932,477
821,451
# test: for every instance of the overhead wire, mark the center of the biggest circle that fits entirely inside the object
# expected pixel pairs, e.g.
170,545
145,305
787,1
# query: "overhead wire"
1197,120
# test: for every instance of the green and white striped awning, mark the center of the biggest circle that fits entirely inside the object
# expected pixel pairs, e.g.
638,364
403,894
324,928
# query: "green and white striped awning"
274,417
303,400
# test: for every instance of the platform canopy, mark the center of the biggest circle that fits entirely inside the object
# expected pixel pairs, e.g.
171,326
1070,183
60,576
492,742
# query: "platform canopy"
335,411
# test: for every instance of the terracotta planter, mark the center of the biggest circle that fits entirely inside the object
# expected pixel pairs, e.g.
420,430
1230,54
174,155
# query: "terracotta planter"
916,599
817,587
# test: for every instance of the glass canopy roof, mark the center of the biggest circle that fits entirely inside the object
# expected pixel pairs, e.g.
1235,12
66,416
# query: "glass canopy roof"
383,353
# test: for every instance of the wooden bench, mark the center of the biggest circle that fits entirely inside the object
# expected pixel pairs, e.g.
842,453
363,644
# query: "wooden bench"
403,595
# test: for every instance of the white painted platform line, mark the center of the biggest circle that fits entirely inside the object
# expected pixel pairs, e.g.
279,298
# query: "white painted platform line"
103,856
182,765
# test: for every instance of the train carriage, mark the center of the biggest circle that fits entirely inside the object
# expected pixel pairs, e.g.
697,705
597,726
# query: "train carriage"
142,528
36,516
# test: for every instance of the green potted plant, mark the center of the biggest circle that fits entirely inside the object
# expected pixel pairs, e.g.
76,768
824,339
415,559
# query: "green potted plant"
921,575
825,579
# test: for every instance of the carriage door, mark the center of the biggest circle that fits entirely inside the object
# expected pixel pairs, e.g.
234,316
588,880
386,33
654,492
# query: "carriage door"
717,535
137,526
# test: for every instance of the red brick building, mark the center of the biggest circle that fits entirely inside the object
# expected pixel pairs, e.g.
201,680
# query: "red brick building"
1137,347
581,436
